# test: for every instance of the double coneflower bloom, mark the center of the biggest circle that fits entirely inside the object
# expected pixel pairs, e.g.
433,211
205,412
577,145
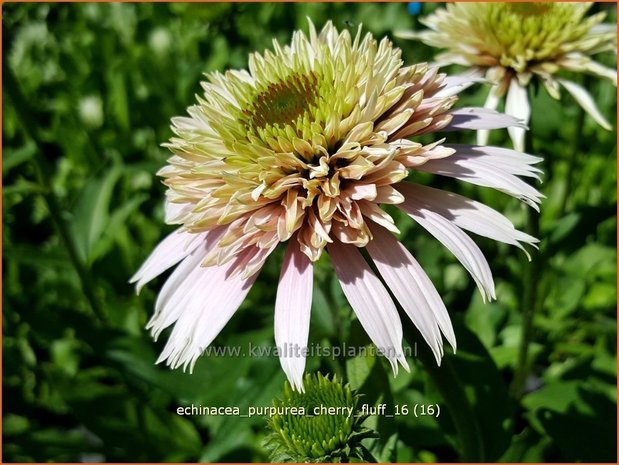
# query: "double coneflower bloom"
304,149
513,44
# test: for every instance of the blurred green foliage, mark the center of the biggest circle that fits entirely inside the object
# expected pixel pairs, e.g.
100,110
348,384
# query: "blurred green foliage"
102,81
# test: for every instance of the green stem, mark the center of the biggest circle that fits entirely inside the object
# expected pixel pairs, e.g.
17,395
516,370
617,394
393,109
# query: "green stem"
573,161
367,455
462,414
531,278
42,170
528,308
459,408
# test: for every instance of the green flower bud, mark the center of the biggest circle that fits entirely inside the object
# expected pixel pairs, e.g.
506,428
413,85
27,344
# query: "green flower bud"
319,425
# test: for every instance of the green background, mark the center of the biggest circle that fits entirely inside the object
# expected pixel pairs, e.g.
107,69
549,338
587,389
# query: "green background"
100,83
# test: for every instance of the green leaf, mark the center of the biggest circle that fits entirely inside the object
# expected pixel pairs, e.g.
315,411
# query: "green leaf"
322,313
359,368
569,412
91,213
116,221
14,158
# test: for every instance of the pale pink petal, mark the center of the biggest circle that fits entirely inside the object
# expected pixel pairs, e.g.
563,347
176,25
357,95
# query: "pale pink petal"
461,245
517,105
212,299
483,166
169,252
492,101
176,212
361,191
413,289
584,99
508,160
375,213
175,291
292,313
481,118
453,85
468,214
370,301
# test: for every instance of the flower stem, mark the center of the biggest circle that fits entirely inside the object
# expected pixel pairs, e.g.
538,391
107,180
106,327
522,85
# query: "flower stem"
451,389
528,308
462,414
573,161
42,169
529,302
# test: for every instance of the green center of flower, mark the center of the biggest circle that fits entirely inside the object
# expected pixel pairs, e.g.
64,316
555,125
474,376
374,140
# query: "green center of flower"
281,103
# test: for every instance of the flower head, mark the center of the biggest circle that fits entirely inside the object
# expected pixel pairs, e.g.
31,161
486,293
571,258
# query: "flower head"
304,148
513,43
318,425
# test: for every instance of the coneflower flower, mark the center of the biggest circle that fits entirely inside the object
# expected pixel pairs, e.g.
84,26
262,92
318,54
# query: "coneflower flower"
511,44
304,148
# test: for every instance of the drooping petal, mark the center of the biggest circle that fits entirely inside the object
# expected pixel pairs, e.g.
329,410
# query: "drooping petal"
585,100
292,312
597,69
370,301
453,85
212,299
580,63
169,252
481,118
490,167
492,101
175,290
511,161
413,289
468,214
517,105
452,237
174,293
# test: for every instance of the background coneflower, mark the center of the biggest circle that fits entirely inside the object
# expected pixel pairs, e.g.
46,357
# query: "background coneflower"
513,44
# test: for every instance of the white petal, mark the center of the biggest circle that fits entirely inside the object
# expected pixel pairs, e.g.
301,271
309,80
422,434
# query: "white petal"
492,101
413,289
370,301
603,28
212,299
517,105
481,118
169,252
468,214
585,100
602,71
490,167
461,245
292,313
